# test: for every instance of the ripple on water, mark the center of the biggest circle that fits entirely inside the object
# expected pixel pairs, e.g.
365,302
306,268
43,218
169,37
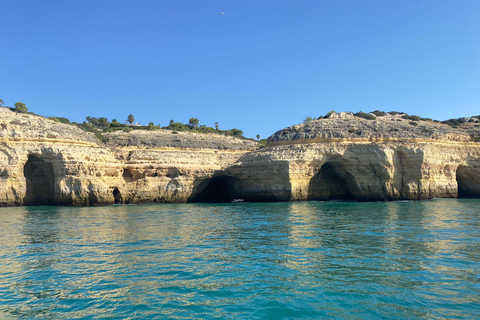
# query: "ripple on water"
416,260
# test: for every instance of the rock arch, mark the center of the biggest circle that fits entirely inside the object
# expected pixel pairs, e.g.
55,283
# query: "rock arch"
215,190
468,181
40,181
329,183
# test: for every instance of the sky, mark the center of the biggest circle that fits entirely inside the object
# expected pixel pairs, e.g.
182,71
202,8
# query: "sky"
260,66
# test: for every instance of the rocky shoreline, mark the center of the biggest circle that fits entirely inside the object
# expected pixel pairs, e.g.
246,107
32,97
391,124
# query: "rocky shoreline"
390,157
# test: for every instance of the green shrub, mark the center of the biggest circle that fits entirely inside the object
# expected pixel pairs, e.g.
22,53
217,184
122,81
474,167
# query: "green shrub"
101,137
454,123
413,123
20,107
237,132
365,115
329,114
64,120
86,127
413,118
308,119
379,113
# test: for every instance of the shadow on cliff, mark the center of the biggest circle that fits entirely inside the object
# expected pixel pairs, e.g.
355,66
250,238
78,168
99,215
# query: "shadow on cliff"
330,183
468,181
408,172
215,190
40,182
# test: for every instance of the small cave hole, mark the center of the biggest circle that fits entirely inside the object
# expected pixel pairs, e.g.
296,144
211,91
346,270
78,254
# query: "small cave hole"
128,175
173,173
117,196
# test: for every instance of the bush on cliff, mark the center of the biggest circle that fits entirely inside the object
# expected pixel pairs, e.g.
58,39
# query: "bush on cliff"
60,119
308,119
413,118
364,115
329,114
379,113
20,107
237,132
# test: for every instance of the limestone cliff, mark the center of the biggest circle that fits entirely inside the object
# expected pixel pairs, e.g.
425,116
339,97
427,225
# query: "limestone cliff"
45,162
160,166
347,157
342,157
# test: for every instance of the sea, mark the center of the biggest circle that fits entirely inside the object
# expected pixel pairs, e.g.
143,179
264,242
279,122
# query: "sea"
286,260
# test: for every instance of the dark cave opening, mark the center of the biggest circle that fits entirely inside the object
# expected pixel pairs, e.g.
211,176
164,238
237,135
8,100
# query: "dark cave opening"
468,185
127,175
328,184
117,196
216,190
40,180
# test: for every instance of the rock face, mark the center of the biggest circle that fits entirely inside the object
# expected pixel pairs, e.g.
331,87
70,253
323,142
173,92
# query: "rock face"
342,157
160,166
44,162
352,158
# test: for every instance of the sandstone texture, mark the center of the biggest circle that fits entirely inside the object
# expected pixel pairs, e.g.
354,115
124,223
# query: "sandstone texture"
43,162
46,162
346,157
351,128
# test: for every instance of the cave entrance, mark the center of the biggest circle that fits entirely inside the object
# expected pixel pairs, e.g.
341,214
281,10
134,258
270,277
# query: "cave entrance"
467,183
40,182
328,184
216,190
117,196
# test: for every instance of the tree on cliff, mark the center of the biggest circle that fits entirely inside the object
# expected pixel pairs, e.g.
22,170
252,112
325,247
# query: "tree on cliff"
103,122
237,132
258,137
130,118
307,119
216,126
21,107
1,102
193,123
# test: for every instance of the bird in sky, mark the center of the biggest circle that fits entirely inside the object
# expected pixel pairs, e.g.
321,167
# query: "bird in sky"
221,12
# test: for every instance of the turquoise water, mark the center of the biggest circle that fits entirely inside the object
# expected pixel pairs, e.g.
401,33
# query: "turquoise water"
308,260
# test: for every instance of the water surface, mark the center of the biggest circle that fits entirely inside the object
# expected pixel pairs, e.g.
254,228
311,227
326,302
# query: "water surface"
311,260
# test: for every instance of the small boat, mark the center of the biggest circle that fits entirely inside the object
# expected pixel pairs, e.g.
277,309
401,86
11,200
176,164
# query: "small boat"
237,200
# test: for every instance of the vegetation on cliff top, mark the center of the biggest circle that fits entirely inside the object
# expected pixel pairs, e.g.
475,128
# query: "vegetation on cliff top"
377,113
100,125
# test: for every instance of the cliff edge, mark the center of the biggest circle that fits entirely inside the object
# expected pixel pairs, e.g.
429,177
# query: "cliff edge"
348,157
43,162
390,157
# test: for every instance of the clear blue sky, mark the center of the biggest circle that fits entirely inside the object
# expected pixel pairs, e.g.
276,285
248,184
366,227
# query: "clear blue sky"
261,66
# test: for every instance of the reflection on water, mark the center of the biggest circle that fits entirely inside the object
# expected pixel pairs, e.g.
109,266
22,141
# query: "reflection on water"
264,260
